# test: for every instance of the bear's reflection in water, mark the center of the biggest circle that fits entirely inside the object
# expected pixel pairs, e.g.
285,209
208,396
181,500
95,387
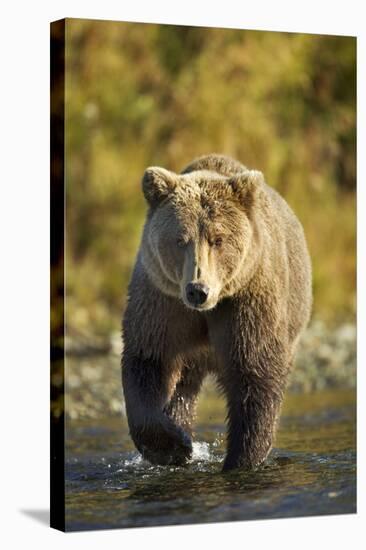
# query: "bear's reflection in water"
217,485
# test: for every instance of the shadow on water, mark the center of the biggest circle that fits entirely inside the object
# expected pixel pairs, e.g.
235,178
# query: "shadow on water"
312,471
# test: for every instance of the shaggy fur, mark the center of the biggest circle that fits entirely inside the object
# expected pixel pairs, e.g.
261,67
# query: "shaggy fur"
220,225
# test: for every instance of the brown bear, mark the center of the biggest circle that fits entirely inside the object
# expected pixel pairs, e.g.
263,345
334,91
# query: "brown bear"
222,285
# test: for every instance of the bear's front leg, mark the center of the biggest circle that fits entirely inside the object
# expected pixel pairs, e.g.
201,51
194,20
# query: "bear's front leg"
253,409
146,389
251,345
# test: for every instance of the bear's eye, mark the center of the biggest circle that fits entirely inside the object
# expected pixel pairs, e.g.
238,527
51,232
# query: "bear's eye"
181,242
218,242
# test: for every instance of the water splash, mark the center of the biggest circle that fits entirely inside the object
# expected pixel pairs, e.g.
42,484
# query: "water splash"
201,451
205,453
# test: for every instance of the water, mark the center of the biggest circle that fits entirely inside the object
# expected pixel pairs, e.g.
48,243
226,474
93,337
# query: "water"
311,471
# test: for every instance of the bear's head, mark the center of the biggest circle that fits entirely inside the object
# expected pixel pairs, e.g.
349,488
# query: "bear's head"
200,233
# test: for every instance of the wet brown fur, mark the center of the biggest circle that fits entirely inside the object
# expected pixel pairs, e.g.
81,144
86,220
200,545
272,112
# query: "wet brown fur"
219,223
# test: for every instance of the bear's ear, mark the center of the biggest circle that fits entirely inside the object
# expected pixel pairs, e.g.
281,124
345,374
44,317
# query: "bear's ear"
247,186
157,184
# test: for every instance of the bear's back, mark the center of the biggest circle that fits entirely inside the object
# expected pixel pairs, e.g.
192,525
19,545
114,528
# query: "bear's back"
221,164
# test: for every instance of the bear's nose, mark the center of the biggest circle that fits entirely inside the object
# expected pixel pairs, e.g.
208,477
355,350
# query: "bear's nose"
196,293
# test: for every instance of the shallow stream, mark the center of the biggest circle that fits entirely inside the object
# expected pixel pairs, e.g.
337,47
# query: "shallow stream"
311,471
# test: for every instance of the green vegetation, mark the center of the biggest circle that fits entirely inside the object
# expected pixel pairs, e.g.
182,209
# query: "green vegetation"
140,95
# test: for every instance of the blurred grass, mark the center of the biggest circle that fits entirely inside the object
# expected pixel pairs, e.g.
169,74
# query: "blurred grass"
141,94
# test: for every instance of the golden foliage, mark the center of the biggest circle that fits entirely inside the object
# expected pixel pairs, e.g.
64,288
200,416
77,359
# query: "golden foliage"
141,94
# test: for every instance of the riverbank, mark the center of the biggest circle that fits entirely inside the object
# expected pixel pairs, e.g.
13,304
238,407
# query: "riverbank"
326,359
